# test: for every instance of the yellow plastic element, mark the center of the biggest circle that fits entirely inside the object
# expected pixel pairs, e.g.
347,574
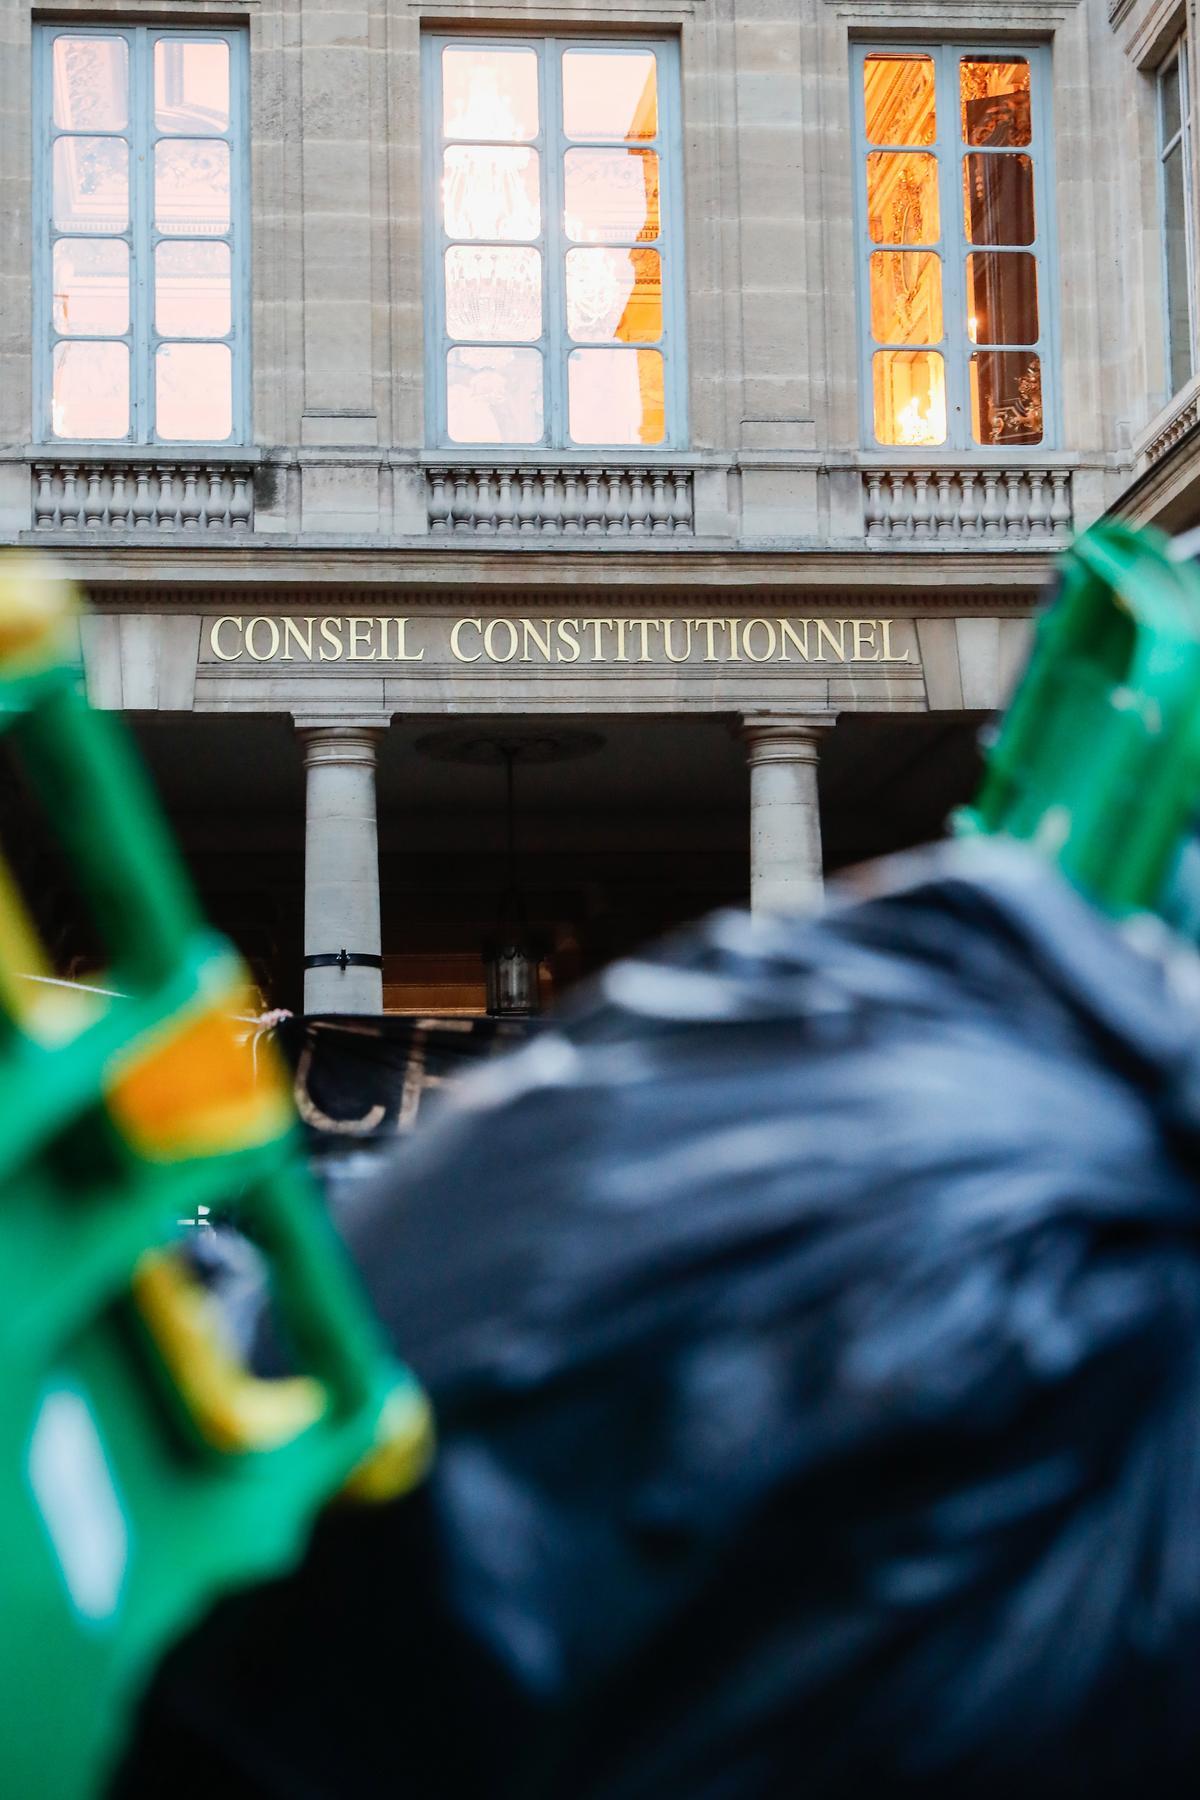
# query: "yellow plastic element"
233,1410
51,1014
38,608
404,1454
199,1088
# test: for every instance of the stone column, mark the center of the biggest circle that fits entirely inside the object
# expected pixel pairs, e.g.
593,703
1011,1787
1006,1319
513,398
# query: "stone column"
343,968
785,823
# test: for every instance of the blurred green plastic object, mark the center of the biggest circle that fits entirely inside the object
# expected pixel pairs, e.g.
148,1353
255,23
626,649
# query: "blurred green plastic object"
1097,761
143,1470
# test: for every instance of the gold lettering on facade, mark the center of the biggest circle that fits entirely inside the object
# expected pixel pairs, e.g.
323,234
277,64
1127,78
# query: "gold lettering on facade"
252,631
215,640
546,641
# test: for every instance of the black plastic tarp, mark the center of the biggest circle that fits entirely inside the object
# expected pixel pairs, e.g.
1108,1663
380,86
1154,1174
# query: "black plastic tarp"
813,1322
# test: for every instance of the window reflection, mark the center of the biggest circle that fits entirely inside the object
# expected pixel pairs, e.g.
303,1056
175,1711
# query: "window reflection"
91,286
611,196
192,292
193,392
90,391
491,193
191,186
995,101
1006,397
191,85
1002,305
489,93
906,297
614,295
900,99
998,199
610,95
90,78
616,397
494,395
493,293
902,198
910,397
91,184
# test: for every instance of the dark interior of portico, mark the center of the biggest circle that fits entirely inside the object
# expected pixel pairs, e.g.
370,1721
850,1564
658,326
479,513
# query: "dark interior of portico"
613,848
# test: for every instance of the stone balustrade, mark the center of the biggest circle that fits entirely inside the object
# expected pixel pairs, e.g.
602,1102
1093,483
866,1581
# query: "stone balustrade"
552,499
984,505
159,494
1177,427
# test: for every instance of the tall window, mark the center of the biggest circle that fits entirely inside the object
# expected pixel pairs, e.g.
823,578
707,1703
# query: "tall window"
1175,152
953,196
554,267
140,305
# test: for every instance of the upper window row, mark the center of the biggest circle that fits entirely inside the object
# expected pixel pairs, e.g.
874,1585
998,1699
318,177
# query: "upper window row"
142,261
554,266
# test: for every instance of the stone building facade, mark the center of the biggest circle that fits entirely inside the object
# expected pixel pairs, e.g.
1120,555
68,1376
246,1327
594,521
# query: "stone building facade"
673,403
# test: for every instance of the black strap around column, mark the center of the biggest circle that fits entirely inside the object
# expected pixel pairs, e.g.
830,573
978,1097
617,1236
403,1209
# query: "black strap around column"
344,959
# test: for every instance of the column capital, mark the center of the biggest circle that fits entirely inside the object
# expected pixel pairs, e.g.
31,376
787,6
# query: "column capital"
345,744
783,737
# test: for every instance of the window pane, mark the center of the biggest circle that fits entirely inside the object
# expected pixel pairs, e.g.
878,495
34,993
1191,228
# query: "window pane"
494,396
192,292
491,193
611,94
193,392
998,199
614,295
1179,321
91,184
616,397
899,92
90,391
902,198
493,293
1168,87
1002,302
612,196
906,297
995,101
191,86
489,93
91,83
1006,397
910,397
91,286
191,187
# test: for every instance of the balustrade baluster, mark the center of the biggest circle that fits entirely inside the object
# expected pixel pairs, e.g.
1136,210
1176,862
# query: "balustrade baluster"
681,506
968,517
439,501
241,501
876,516
1060,505
189,506
118,497
992,523
43,504
69,511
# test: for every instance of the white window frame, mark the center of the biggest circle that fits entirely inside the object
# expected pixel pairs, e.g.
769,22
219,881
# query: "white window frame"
140,133
1178,57
554,343
952,248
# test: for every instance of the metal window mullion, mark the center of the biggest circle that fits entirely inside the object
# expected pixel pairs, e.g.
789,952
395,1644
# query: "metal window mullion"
1185,151
141,258
959,435
671,243
239,234
554,238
